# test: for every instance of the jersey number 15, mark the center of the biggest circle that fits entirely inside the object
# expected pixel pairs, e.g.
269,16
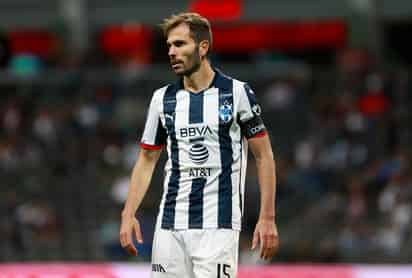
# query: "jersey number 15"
222,271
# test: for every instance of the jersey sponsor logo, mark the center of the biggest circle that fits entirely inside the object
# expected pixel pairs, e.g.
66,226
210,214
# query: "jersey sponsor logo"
199,172
225,112
256,109
158,268
198,153
195,131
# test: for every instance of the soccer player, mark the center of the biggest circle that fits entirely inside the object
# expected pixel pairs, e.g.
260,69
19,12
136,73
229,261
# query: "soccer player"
206,121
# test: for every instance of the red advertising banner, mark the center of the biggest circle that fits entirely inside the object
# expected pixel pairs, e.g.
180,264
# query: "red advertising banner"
217,9
35,42
249,37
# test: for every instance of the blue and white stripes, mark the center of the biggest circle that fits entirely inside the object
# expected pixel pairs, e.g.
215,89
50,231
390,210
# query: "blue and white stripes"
206,168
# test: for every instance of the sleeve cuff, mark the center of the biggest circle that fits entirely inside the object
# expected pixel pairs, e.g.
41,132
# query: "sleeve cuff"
260,134
151,147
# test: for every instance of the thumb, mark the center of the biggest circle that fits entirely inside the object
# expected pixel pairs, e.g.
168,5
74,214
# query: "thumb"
255,239
138,233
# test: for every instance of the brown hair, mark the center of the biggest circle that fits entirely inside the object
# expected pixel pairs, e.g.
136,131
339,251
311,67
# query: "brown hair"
199,26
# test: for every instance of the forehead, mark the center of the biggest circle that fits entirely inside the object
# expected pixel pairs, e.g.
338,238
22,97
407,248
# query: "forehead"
180,32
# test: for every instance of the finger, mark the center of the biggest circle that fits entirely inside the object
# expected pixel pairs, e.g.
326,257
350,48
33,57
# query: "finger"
271,248
269,252
274,244
131,249
138,233
267,247
126,242
126,237
265,253
123,239
263,245
255,240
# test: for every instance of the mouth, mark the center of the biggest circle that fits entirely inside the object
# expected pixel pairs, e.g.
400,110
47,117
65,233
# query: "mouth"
176,64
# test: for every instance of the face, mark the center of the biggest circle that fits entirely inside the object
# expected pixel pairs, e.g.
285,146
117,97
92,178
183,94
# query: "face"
184,52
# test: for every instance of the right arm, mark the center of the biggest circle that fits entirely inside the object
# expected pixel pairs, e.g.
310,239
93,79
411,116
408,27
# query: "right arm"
139,183
152,142
140,180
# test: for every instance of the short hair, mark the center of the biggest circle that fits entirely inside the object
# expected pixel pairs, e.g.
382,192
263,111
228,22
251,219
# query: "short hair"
199,26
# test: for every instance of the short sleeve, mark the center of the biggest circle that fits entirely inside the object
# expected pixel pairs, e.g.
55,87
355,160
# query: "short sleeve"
154,134
249,115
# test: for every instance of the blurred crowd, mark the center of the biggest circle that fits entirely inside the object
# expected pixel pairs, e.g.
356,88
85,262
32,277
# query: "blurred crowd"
340,135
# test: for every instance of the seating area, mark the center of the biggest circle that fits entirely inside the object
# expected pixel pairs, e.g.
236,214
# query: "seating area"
341,138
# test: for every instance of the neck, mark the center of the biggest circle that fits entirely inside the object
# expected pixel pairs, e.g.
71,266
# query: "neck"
200,79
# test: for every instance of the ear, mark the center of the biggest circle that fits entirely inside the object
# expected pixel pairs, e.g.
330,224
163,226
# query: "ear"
203,48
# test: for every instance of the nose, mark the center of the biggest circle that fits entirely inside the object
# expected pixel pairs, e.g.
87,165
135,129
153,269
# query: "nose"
172,51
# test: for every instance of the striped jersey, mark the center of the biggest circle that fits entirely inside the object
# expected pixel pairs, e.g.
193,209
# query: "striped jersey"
205,135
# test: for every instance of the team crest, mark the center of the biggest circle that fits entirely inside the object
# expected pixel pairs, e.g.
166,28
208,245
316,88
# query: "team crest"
225,112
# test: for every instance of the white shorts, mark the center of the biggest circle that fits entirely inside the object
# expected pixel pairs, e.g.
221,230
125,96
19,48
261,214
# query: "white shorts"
195,253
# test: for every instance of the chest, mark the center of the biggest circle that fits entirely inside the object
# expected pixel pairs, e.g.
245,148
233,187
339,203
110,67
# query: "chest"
190,116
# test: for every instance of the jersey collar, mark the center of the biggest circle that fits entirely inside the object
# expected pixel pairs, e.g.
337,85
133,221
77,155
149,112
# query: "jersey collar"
220,81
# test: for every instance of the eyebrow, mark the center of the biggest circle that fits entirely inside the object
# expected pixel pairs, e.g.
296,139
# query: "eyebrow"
175,41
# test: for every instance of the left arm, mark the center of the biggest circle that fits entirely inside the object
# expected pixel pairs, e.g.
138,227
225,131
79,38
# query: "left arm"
254,130
266,230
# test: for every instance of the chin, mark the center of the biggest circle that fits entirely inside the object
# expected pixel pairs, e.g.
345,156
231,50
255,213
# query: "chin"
179,72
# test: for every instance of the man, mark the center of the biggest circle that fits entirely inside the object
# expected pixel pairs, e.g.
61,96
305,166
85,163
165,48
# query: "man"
206,120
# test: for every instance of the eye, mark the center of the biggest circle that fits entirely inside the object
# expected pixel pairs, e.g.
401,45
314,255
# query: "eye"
178,43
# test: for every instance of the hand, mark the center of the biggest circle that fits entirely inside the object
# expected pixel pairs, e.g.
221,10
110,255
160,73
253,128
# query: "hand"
267,234
130,226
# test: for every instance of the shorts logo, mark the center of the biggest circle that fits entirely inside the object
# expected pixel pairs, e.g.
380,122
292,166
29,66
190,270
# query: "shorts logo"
225,112
158,268
198,153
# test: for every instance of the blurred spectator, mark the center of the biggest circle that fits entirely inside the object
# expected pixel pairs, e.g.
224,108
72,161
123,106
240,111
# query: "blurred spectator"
279,96
44,127
341,140
4,50
119,189
10,226
357,203
395,204
374,103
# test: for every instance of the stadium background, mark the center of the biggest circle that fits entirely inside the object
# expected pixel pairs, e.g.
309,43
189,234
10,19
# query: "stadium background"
334,80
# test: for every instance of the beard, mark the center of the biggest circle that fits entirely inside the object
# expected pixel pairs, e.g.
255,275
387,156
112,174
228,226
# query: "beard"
194,62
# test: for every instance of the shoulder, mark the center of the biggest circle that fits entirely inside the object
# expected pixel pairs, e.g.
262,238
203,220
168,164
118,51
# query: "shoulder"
241,88
226,81
239,83
159,93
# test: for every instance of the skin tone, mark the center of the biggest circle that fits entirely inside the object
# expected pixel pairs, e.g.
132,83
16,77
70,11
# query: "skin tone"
188,59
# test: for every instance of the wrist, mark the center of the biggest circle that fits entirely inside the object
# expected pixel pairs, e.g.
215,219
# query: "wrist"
127,214
267,217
